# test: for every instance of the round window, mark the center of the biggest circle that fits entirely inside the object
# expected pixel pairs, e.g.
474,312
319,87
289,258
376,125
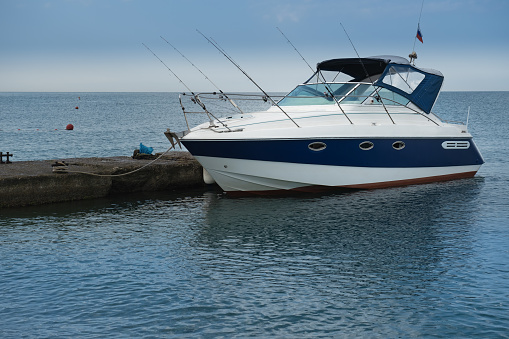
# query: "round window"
317,146
366,145
398,145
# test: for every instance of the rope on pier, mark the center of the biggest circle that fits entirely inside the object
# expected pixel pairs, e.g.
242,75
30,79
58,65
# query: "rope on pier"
64,169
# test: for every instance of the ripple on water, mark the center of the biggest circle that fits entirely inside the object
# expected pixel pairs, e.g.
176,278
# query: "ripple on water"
418,261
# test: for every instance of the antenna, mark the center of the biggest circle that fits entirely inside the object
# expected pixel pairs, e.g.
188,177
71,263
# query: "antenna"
216,45
413,55
206,77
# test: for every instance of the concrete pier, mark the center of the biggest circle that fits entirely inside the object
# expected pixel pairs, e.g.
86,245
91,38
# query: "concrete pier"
27,183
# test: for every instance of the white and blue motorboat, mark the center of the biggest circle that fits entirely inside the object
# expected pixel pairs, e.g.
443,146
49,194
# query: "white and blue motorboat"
357,123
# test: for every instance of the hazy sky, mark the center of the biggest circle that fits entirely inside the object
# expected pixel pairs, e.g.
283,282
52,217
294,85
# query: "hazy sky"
96,45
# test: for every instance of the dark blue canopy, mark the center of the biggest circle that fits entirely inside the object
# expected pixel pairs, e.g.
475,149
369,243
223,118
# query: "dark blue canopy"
420,86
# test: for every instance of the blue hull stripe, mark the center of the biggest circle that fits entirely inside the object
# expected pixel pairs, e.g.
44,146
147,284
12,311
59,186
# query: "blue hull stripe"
341,152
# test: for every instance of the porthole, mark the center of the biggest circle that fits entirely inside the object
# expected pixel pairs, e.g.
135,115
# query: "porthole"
366,145
398,145
317,146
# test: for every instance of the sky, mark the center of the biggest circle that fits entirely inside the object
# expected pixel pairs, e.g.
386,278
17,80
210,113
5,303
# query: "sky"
97,45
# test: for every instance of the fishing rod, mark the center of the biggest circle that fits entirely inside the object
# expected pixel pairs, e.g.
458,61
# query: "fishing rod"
327,87
169,69
195,96
216,45
311,68
369,76
264,98
206,77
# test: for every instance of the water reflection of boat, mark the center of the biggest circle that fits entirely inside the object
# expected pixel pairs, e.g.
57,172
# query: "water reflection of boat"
397,226
356,123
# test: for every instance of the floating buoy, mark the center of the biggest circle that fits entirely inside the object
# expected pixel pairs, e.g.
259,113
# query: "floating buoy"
69,127
76,107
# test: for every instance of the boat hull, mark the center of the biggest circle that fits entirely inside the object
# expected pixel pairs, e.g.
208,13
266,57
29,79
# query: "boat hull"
239,176
267,166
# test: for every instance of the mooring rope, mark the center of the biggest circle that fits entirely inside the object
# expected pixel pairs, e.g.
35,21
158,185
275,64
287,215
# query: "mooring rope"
64,169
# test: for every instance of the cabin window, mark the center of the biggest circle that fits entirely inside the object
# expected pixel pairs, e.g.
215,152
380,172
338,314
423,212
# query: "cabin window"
366,145
398,145
317,146
403,78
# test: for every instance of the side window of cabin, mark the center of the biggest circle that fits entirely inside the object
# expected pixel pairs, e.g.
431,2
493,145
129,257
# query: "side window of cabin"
404,78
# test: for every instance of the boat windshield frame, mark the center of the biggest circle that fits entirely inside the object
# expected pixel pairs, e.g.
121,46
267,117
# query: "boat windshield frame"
333,93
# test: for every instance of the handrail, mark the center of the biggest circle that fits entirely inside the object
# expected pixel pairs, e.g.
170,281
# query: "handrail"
218,96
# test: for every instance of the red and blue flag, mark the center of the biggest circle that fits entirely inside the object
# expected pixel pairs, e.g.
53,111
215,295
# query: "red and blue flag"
419,34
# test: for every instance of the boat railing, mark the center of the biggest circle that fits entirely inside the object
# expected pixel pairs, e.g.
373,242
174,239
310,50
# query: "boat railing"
379,99
215,97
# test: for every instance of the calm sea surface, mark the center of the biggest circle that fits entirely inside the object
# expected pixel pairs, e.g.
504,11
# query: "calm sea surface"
418,261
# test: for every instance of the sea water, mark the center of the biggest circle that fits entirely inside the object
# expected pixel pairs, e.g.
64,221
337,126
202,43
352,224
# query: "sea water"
33,125
417,261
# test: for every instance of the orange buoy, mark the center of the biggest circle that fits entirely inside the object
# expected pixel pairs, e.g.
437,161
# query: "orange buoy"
69,127
76,107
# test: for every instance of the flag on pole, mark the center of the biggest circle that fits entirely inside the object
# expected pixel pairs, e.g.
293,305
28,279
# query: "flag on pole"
419,34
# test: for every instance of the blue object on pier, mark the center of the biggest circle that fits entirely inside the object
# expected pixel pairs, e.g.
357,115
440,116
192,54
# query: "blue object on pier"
145,150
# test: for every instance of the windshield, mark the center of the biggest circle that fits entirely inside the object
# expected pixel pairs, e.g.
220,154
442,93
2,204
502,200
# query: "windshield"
316,94
359,94
344,93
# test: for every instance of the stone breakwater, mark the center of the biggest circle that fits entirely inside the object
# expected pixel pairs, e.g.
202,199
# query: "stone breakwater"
27,183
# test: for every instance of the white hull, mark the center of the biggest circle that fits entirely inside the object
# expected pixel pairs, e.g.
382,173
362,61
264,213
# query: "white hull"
238,175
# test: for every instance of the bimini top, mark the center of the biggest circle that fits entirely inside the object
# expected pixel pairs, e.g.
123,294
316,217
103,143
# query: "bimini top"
420,86
357,67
